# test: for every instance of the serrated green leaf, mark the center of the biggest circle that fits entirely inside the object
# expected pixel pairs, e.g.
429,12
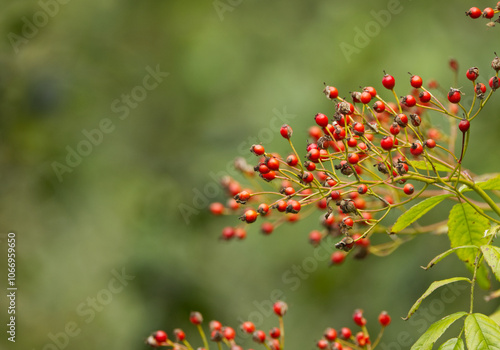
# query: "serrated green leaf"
466,227
481,333
427,340
445,254
422,165
453,344
492,257
491,184
434,285
417,211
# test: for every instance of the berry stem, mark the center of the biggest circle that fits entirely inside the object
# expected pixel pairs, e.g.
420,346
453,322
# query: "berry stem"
379,337
296,155
186,343
282,333
203,336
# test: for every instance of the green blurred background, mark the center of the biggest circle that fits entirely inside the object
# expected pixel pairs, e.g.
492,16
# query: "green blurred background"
229,71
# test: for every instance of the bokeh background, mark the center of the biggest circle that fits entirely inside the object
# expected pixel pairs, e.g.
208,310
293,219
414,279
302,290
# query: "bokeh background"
230,69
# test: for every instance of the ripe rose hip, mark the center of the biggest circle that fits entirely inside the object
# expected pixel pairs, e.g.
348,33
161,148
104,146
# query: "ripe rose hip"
248,327
321,119
227,233
267,228
258,150
337,258
330,334
430,143
416,148
388,81
379,107
259,336
424,97
386,143
250,216
228,333
292,160
454,96
195,318
494,83
480,88
362,189
384,319
179,334
474,12
322,344
217,208
488,13
464,125
365,97
345,333
280,308
409,101
274,332
160,336
286,131
408,189
358,318
331,92
416,81
353,158
472,73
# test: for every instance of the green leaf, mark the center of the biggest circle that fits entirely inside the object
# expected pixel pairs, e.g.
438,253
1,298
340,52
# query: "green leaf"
491,184
492,257
453,344
434,285
466,227
496,316
445,254
422,165
417,211
481,333
427,340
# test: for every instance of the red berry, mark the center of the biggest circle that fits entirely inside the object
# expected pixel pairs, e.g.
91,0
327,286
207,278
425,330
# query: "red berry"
315,132
179,334
242,197
227,233
365,97
415,119
480,88
416,81
371,90
315,237
395,128
424,97
386,143
280,308
345,333
472,73
337,258
454,95
258,150
401,119
474,12
313,155
307,177
269,176
215,325
217,208
331,92
358,318
160,336
416,148
274,332
348,221
379,106
409,101
240,233
388,81
358,129
293,206
384,319
488,13
361,339
464,125
321,119
263,209
286,131
408,189
267,228
494,83
259,336
292,160
353,158
322,344
273,163
362,189
229,333
430,143
195,318
250,216
330,334
352,142
248,327
335,195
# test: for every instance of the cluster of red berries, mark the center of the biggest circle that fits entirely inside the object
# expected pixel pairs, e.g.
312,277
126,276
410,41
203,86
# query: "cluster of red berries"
345,339
274,339
488,13
370,156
